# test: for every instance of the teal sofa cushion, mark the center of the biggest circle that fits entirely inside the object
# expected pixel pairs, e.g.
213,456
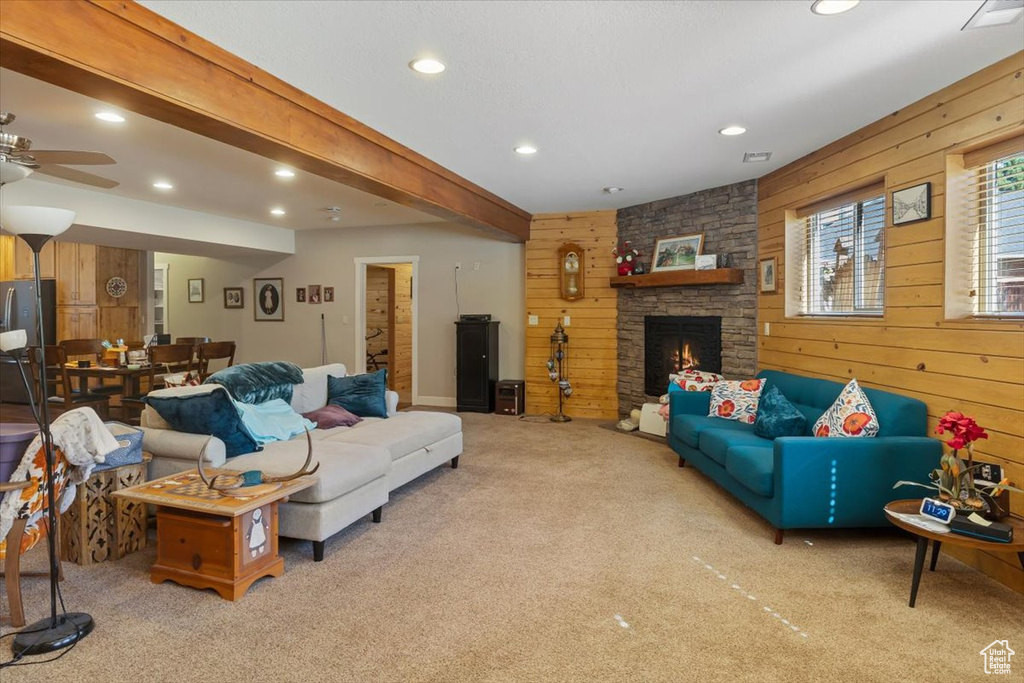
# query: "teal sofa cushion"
778,417
754,467
689,427
258,382
715,442
206,409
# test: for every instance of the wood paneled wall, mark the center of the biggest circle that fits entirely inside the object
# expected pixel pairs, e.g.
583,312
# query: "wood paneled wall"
389,308
593,365
975,366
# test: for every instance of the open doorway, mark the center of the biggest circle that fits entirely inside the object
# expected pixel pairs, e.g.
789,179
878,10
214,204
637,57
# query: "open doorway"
386,321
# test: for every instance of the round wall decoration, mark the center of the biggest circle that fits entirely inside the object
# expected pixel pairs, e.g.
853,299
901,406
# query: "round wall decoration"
117,287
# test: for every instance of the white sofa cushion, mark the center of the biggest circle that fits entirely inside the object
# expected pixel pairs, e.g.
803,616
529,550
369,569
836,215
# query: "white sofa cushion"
401,434
344,467
312,393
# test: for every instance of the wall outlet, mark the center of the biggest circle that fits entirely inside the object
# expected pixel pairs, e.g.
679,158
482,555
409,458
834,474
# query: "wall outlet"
534,320
566,320
767,330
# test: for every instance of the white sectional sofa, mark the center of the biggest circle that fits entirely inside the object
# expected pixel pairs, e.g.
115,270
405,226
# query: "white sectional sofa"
359,465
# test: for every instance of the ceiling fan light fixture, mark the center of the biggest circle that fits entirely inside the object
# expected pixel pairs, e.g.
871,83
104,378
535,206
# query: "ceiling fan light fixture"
110,117
11,172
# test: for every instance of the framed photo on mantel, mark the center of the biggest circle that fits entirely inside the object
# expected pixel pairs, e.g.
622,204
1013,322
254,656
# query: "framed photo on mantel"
677,253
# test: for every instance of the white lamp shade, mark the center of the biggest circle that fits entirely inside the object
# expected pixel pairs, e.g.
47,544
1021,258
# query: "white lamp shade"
35,220
11,172
15,339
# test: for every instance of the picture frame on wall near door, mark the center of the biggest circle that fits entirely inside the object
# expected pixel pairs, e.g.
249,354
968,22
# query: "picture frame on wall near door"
234,297
196,290
268,293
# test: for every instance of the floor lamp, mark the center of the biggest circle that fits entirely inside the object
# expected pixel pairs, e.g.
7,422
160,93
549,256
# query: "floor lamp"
37,225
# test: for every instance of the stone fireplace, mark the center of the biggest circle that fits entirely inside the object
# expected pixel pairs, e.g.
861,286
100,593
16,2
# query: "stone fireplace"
673,343
728,218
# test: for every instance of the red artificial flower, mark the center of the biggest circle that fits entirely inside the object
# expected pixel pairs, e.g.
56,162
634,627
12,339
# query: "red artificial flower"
963,429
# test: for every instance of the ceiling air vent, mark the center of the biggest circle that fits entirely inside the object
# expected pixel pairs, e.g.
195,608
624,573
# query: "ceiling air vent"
755,157
995,13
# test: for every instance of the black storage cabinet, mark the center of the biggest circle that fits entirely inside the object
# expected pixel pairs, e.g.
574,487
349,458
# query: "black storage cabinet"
476,366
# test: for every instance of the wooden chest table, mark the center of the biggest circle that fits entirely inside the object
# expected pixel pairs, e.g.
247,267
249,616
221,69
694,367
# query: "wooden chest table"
208,540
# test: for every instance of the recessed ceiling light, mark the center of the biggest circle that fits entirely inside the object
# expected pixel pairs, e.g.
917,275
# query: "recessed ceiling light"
161,185
830,7
612,190
525,150
110,117
426,66
284,173
733,130
754,157
277,211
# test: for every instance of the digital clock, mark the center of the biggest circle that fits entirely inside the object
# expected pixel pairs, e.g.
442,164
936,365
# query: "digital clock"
937,510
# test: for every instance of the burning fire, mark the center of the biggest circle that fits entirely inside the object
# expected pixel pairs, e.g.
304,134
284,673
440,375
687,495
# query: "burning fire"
684,361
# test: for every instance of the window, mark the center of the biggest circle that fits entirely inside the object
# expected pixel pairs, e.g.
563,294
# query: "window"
835,256
994,229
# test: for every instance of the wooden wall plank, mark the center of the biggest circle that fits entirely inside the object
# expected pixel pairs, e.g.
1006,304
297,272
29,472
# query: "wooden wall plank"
975,366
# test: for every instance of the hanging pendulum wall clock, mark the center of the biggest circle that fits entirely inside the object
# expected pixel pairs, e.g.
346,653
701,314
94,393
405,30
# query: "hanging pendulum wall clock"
570,272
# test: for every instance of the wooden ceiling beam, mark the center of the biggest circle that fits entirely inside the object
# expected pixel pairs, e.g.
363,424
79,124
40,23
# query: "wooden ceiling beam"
128,56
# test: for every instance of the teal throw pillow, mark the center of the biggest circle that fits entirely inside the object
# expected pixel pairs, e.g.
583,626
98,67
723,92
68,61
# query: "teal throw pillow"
362,395
776,416
206,409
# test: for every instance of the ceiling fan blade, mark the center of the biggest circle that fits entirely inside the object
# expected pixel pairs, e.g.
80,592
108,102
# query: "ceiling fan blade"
61,156
78,176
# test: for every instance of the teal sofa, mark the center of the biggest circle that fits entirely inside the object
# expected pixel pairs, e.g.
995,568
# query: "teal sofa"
807,482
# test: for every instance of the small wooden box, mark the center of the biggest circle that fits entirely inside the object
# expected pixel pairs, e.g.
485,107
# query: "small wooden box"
97,527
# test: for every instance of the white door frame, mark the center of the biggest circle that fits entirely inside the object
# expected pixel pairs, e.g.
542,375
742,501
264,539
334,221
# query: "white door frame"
359,366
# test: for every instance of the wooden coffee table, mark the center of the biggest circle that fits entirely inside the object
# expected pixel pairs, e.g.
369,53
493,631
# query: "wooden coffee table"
912,507
207,540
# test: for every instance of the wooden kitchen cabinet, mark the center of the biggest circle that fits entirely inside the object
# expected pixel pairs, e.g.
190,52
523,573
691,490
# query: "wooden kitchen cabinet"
23,262
77,322
76,274
6,257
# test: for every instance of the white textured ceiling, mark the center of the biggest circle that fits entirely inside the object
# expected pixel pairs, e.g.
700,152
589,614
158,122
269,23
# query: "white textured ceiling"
208,176
630,94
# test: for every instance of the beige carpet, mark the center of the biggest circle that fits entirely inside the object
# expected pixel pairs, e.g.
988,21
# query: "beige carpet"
554,553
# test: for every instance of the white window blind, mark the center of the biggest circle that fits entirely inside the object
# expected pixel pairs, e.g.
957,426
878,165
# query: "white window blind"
992,240
835,263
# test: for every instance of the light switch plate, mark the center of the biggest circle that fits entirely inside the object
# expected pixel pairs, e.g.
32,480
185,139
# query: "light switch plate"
767,329
534,320
566,320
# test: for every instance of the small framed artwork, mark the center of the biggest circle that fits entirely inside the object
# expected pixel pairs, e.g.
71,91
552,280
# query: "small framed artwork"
912,204
196,290
769,270
328,295
300,295
269,294
677,253
313,292
707,261
234,297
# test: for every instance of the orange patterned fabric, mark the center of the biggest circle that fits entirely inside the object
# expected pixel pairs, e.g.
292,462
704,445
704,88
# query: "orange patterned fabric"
33,499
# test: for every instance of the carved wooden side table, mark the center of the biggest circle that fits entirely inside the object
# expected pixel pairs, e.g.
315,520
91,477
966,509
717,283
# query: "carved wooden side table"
99,527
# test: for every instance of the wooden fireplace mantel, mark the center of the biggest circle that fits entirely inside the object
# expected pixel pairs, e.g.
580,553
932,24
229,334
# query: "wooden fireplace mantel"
681,278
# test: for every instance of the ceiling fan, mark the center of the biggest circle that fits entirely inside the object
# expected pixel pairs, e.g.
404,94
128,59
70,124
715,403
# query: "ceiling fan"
17,161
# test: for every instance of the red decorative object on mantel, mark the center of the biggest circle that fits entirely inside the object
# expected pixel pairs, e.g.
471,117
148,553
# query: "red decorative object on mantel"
625,257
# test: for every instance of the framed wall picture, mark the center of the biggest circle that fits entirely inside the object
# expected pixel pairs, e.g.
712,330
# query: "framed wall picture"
300,295
769,268
571,265
234,297
269,299
912,204
196,290
677,253
313,294
328,295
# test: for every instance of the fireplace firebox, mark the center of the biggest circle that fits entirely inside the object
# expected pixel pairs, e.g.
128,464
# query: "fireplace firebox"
674,343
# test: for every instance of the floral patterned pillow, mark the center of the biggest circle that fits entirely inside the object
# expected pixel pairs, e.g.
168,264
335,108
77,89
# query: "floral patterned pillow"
695,380
850,415
736,400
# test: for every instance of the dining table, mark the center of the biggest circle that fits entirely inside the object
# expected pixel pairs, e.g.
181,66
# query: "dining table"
128,376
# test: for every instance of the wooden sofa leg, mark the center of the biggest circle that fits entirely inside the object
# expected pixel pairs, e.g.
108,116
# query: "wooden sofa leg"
376,514
778,536
318,551
455,463
682,461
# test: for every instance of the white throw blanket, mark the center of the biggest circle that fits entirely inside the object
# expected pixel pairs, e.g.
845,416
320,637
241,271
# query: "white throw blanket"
85,441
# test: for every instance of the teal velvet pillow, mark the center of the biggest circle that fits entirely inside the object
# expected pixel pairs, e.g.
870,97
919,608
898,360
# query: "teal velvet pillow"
258,382
362,395
776,416
204,410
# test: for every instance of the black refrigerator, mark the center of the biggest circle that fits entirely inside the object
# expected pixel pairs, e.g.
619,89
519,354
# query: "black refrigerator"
18,312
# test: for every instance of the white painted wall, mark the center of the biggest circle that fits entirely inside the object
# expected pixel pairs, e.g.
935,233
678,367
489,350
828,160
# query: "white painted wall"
326,257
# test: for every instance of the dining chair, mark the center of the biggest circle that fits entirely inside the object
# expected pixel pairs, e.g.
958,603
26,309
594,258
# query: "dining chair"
59,391
214,351
163,360
30,525
76,349
194,341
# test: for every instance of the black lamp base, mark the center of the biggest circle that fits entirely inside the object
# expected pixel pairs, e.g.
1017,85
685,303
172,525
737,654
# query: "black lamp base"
40,638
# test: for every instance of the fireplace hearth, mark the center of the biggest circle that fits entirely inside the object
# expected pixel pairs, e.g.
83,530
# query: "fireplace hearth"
673,343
